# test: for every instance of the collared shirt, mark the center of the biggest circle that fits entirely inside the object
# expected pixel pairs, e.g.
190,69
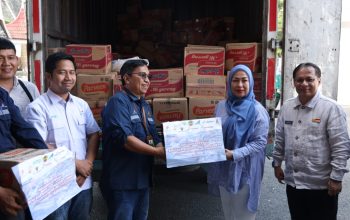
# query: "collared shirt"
63,123
247,167
12,124
314,142
20,97
122,117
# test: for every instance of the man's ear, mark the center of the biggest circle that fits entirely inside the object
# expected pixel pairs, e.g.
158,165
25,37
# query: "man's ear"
126,79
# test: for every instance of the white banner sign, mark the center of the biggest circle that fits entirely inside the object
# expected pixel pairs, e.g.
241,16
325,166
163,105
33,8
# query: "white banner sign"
193,142
47,181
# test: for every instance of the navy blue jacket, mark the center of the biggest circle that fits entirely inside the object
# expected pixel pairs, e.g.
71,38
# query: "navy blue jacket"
13,124
124,169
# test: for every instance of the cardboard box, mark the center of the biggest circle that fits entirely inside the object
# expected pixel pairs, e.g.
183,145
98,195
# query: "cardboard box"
12,158
166,83
241,53
201,107
117,82
43,176
91,59
94,87
206,86
96,107
204,60
169,109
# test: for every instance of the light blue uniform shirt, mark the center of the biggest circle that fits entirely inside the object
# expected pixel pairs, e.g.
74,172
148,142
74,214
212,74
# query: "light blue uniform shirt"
63,123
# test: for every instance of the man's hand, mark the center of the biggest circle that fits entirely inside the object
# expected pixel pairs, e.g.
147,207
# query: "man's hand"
334,187
229,154
279,174
10,201
80,180
84,167
160,152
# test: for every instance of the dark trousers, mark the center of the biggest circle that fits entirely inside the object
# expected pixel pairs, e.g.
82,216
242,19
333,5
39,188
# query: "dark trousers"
128,204
305,204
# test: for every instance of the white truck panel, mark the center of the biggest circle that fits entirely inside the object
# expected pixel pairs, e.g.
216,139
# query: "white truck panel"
312,34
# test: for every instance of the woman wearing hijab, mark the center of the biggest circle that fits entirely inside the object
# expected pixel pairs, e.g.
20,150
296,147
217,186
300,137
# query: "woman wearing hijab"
245,125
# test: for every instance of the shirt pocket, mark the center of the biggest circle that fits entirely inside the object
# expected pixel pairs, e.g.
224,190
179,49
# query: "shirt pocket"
57,131
137,128
318,149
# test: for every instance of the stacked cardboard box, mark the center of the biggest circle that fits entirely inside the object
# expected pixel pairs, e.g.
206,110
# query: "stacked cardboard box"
166,83
241,53
204,60
205,86
201,107
94,59
170,109
94,79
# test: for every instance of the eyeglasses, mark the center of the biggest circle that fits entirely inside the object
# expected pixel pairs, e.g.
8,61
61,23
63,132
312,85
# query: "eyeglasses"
300,81
143,75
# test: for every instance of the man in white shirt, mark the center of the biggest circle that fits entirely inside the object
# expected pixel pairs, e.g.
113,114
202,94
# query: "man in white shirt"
312,139
22,92
66,120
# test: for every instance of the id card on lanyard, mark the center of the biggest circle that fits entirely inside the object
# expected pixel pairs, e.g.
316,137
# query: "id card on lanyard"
149,137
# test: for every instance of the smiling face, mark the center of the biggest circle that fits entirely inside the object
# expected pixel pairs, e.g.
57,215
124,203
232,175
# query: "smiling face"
63,78
306,84
240,84
8,64
137,84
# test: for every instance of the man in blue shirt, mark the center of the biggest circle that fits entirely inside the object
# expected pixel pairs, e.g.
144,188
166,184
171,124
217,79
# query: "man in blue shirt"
13,125
130,141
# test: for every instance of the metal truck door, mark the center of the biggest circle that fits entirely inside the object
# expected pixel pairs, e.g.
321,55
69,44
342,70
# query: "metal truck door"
312,34
35,42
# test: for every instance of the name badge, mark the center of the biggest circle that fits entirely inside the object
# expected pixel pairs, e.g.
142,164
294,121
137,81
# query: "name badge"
288,122
150,141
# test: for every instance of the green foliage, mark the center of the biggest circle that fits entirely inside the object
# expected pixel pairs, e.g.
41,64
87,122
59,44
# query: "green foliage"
280,14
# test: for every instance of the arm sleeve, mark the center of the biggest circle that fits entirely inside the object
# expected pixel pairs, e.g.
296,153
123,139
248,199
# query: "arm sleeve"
116,121
257,142
23,131
91,124
278,152
339,142
38,119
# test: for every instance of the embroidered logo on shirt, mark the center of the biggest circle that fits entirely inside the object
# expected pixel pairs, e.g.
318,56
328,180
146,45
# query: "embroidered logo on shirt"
133,117
316,120
288,122
4,110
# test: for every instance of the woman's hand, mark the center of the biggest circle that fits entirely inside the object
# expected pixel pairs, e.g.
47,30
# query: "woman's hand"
229,154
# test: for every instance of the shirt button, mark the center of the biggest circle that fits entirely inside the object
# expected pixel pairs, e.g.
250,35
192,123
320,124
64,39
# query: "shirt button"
302,107
296,138
299,121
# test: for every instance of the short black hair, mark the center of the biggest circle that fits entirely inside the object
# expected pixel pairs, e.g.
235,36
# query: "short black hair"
303,65
53,59
129,66
6,44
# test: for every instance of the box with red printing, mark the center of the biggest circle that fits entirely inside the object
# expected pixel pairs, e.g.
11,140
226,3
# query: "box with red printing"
201,107
170,109
204,60
94,87
166,83
91,59
96,107
241,53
